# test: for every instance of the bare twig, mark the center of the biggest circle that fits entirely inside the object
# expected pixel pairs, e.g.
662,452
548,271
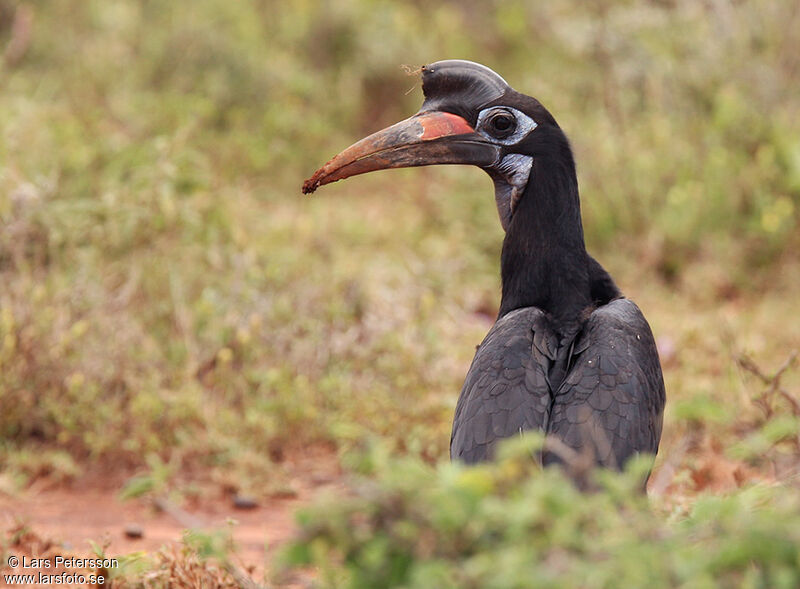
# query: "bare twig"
190,521
666,473
242,578
183,517
773,382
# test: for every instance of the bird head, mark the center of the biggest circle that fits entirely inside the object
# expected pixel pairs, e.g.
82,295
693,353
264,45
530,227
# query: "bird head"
470,115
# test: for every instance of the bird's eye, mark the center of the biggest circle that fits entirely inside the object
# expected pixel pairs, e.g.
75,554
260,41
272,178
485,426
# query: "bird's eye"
501,124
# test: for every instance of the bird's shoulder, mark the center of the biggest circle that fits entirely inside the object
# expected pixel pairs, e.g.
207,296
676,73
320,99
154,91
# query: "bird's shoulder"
620,331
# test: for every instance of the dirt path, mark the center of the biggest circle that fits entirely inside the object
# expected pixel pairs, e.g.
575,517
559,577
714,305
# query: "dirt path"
70,517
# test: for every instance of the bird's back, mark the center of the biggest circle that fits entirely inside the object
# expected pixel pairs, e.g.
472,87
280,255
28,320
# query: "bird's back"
607,399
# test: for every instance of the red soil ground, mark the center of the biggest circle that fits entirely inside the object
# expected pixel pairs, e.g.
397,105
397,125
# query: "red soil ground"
66,518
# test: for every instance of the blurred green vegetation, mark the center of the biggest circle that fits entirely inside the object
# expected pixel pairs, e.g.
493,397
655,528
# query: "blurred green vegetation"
507,525
170,304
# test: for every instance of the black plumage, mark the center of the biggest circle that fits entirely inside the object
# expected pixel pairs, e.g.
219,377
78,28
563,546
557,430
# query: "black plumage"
569,355
606,406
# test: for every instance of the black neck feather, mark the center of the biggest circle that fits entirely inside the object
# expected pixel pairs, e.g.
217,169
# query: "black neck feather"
544,261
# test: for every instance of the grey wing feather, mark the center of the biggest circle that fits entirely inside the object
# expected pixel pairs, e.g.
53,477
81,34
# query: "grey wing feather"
612,400
506,388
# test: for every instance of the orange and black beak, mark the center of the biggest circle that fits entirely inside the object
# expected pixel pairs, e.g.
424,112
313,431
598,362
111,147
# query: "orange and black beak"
427,138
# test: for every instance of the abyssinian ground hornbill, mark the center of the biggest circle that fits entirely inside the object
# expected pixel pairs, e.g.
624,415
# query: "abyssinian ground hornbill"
568,355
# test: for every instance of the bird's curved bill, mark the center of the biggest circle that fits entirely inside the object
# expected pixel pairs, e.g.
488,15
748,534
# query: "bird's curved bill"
425,139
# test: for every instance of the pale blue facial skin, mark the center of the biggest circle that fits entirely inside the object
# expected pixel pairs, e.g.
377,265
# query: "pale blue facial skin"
525,124
510,174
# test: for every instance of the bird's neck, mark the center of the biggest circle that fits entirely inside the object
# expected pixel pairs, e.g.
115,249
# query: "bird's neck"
544,261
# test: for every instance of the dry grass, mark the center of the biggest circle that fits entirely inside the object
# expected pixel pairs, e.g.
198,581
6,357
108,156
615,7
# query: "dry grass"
172,309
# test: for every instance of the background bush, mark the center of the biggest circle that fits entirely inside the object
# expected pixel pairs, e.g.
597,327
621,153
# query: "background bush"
171,306
509,525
